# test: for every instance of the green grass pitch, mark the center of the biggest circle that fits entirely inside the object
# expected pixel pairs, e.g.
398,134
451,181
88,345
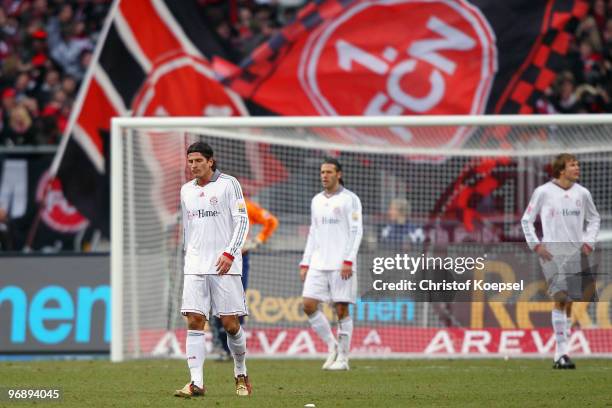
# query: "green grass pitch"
294,383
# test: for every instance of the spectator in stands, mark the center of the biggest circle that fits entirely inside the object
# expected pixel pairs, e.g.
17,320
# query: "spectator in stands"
45,49
564,98
20,130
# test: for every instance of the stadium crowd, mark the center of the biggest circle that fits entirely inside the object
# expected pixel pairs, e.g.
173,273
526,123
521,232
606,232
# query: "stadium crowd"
585,86
46,46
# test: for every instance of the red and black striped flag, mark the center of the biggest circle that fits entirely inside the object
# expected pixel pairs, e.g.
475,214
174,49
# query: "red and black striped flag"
151,53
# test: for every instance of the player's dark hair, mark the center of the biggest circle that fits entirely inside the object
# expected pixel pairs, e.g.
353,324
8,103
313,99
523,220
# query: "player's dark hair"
336,163
205,150
558,164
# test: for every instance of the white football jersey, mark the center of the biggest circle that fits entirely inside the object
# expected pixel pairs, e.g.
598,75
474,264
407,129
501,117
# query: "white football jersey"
215,221
335,230
563,214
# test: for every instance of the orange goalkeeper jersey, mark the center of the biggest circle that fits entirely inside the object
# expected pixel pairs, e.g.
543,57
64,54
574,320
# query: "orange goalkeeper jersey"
258,215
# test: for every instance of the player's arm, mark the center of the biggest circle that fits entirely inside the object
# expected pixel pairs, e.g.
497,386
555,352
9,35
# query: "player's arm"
529,217
185,223
593,222
355,224
310,244
235,200
262,217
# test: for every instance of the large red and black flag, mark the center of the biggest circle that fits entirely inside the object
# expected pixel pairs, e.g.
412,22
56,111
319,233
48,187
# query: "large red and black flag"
151,54
411,57
337,57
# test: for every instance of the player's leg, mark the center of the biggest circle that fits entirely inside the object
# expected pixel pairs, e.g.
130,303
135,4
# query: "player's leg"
557,288
229,304
568,314
560,326
569,286
316,290
236,341
344,292
195,307
219,337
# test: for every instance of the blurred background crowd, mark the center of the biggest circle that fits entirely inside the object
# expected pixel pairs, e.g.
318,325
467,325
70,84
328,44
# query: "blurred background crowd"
46,46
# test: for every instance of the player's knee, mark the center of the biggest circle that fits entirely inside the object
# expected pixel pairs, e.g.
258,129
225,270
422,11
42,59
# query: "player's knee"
342,310
561,299
231,324
195,321
309,307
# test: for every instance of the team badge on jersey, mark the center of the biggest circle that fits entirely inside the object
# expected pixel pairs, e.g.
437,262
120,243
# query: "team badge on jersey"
241,208
202,194
213,200
578,203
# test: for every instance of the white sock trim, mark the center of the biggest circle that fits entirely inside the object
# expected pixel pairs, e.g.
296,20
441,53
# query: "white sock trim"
237,345
321,326
195,350
345,333
559,323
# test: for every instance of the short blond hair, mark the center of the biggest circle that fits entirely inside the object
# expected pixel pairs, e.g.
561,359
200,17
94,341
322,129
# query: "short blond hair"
558,164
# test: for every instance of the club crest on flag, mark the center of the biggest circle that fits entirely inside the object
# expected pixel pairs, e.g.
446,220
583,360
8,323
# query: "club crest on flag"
443,62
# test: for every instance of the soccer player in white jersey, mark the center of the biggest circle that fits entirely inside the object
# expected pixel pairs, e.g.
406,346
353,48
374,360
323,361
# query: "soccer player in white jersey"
563,206
329,263
215,225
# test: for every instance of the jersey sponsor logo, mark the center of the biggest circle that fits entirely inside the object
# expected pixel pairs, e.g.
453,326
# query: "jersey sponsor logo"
202,213
569,213
443,62
329,221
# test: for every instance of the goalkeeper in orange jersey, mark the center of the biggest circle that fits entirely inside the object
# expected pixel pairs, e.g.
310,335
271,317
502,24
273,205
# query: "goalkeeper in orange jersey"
269,223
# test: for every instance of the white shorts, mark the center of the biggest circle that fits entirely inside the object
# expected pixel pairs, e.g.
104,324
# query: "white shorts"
329,285
223,295
567,273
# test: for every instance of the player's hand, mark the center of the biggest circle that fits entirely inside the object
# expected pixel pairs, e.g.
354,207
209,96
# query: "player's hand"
303,272
346,272
223,264
251,245
586,249
543,252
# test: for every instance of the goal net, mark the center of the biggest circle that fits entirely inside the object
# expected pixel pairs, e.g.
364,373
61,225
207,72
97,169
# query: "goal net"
427,184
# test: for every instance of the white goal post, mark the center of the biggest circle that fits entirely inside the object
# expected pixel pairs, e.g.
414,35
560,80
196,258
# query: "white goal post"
422,162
